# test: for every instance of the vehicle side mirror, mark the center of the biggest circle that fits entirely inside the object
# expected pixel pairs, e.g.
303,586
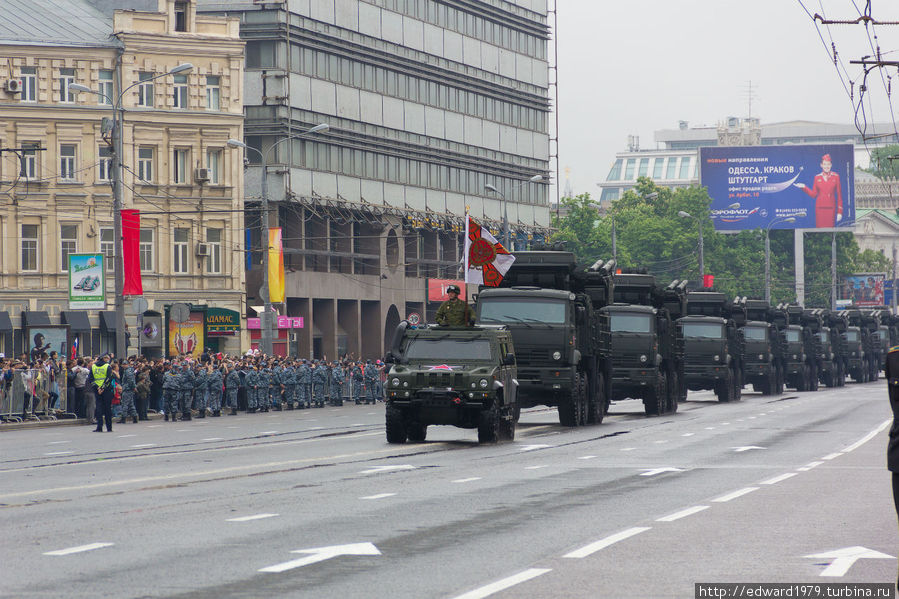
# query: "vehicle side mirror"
509,360
390,358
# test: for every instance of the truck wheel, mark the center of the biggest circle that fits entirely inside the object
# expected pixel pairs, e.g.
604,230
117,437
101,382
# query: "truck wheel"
779,384
396,425
489,425
583,404
654,403
417,432
738,386
672,392
507,426
598,401
724,388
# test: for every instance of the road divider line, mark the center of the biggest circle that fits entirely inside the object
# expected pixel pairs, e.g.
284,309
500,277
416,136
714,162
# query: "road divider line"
592,548
537,467
688,434
143,445
505,583
251,518
777,479
868,437
467,480
58,453
735,494
79,549
379,496
809,466
832,456
586,457
683,513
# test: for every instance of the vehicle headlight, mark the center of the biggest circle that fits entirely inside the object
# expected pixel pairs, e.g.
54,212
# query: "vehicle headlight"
853,353
643,358
557,355
473,385
483,383
795,356
716,358
823,355
405,383
761,356
395,382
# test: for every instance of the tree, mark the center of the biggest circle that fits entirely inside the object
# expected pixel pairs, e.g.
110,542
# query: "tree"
885,162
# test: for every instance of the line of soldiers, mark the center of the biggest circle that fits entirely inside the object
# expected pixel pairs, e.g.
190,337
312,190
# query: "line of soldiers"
268,384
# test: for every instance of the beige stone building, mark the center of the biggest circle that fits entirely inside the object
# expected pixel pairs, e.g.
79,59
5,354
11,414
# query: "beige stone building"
56,165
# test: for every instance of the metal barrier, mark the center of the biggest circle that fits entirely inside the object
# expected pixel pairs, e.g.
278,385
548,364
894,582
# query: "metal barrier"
29,394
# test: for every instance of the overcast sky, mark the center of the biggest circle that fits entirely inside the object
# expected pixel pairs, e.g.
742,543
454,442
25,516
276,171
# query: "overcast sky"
637,66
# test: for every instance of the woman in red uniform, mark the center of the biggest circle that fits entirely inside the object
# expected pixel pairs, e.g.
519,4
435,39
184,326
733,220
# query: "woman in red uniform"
828,195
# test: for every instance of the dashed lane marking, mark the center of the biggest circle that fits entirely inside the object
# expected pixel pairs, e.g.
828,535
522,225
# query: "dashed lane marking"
735,494
683,513
592,548
533,447
832,456
467,480
125,436
214,439
688,434
867,437
57,442
379,469
777,479
538,467
586,457
379,496
79,549
142,445
809,466
505,583
58,453
251,518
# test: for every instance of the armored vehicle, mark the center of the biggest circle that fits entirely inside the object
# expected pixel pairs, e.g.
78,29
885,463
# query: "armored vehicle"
763,346
464,377
831,344
551,305
713,347
864,344
646,344
801,352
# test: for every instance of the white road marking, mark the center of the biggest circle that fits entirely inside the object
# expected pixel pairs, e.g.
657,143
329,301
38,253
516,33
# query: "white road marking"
868,437
628,448
379,469
655,471
831,456
603,543
682,514
536,467
125,436
710,428
586,457
777,479
182,430
725,423
57,442
214,439
845,558
532,447
316,428
467,480
746,448
143,445
250,518
79,549
809,466
688,434
505,583
751,418
158,425
661,441
269,433
735,494
379,496
323,553
359,424
58,453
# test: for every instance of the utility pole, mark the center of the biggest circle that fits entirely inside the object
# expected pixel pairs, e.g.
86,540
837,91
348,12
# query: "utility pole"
833,272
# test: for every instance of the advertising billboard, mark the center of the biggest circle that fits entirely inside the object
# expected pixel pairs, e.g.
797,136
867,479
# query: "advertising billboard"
864,289
437,289
45,339
757,187
87,282
187,337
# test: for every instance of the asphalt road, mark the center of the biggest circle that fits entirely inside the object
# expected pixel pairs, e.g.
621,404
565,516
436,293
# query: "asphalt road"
315,503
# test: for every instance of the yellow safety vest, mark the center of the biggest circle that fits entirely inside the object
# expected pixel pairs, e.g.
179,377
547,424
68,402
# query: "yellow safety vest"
99,373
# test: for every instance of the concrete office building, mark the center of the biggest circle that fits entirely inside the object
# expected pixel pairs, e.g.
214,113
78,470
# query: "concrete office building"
427,102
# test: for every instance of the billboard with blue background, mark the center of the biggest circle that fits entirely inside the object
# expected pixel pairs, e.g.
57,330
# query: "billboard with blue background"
812,184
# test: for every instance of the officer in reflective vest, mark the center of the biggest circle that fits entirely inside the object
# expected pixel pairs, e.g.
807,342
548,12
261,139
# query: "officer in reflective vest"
103,391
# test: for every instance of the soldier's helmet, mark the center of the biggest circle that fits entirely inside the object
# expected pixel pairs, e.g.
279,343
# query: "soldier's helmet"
453,289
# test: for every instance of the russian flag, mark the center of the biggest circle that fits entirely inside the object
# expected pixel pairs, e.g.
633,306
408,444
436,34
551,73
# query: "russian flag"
74,349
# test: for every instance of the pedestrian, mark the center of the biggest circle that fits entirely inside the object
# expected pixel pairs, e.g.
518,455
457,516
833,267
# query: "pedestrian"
201,389
215,383
891,371
90,393
81,374
185,398
157,375
252,383
103,380
70,386
142,392
129,386
358,382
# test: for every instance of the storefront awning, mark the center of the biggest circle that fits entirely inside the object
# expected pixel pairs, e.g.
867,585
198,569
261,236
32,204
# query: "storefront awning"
77,320
107,322
35,319
5,322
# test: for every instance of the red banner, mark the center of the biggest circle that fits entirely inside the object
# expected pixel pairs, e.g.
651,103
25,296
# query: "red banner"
131,252
437,289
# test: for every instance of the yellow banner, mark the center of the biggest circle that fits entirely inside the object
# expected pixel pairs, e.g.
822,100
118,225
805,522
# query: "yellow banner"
275,266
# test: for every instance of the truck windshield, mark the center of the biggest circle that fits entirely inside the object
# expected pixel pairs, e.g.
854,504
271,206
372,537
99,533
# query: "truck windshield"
792,335
704,330
518,310
631,323
755,333
852,335
442,350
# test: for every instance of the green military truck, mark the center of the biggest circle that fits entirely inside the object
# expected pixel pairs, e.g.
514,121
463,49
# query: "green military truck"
763,346
460,376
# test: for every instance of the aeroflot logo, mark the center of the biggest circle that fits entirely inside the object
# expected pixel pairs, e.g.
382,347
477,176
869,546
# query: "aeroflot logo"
735,215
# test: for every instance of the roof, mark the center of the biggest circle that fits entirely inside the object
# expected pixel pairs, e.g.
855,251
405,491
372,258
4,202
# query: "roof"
889,215
54,23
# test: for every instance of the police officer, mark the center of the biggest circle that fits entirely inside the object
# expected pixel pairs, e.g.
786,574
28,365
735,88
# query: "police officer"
319,383
170,391
371,382
304,379
232,385
891,371
335,383
186,386
129,386
454,312
215,379
289,384
101,378
252,383
358,382
201,390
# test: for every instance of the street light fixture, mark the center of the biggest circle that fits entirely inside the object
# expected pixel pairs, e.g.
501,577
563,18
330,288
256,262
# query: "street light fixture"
788,219
118,117
683,214
266,320
506,233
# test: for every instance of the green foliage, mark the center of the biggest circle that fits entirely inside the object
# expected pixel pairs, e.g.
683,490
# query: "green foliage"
650,234
881,165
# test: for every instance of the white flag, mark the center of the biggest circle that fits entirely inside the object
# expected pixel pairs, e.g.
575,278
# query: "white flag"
486,260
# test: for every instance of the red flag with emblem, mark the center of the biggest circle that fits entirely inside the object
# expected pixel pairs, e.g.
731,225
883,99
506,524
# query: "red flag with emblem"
486,260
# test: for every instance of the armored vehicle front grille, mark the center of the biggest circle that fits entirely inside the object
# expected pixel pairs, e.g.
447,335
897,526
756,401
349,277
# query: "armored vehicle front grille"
439,379
532,355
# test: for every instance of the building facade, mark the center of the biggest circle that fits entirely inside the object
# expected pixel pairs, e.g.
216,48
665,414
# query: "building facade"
178,170
428,102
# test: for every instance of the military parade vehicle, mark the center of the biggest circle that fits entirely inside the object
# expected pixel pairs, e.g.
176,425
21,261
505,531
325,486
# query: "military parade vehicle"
460,376
552,307
801,351
713,346
831,345
865,358
763,346
646,344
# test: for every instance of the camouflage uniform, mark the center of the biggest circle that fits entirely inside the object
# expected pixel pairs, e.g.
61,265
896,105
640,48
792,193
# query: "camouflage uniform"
334,383
214,384
358,382
129,385
232,384
201,391
304,379
319,384
454,313
252,383
171,385
289,381
187,389
371,382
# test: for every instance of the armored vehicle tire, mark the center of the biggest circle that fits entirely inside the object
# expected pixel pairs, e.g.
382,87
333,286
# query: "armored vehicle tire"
813,379
655,402
583,400
489,424
738,385
571,409
507,426
417,432
396,425
597,407
673,392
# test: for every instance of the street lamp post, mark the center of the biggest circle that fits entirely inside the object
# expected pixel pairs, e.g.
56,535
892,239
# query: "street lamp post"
118,117
683,214
506,233
788,219
266,320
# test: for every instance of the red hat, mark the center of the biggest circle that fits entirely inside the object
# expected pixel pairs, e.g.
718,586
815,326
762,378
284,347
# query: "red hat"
826,158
